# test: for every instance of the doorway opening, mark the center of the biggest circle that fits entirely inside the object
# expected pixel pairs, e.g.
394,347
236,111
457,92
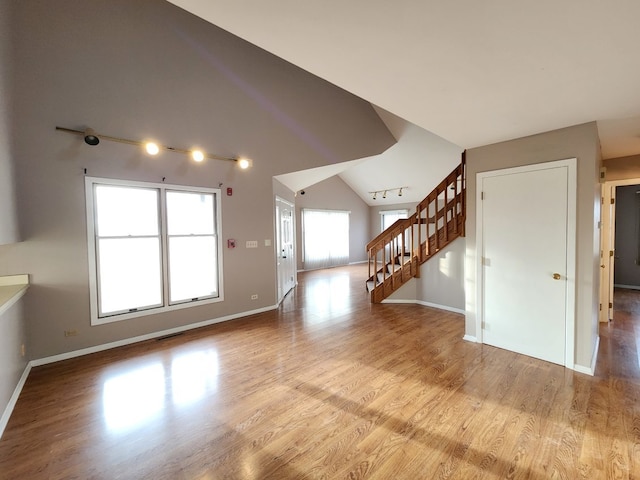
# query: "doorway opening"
620,253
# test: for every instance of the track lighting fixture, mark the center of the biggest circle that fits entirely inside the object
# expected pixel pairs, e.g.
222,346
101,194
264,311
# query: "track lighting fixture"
90,137
387,190
152,148
197,155
245,163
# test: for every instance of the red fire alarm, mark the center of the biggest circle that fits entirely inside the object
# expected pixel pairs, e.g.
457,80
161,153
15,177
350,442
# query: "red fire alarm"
229,191
231,243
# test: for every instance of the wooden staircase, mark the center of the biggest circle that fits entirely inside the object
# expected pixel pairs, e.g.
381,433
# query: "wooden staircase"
396,254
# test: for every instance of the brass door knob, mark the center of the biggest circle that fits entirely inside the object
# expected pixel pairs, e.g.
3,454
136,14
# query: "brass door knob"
556,276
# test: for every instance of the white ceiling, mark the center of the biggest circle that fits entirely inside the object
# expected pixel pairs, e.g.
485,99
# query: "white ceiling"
471,72
418,162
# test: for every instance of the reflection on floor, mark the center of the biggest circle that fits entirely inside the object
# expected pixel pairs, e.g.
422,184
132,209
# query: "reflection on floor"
626,300
330,386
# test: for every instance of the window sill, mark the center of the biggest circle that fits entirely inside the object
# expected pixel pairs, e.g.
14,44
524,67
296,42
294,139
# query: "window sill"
12,287
95,320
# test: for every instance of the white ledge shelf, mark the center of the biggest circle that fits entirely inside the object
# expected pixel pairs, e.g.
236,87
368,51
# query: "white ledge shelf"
12,287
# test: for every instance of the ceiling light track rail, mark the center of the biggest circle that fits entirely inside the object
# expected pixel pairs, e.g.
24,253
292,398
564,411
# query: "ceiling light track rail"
384,192
93,138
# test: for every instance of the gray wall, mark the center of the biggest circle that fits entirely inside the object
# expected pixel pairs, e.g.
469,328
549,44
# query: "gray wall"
582,142
441,282
441,279
12,323
8,219
334,194
148,69
622,168
627,270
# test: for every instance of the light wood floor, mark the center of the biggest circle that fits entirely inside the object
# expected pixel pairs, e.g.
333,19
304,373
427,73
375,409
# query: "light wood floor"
329,386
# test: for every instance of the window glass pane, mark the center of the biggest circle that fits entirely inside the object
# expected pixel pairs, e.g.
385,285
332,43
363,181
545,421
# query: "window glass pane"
129,273
190,213
193,268
325,238
389,218
122,211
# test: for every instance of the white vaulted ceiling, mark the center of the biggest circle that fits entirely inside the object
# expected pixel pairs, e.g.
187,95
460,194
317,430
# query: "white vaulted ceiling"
472,72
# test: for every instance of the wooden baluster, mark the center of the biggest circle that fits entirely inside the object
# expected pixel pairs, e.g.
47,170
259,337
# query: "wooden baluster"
436,217
427,228
463,175
375,268
384,262
445,221
455,203
419,219
413,241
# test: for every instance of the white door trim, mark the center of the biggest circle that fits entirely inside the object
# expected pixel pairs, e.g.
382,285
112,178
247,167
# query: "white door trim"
276,246
571,165
607,242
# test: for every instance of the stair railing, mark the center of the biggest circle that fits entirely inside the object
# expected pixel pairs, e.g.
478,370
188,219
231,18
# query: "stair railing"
441,214
392,246
396,254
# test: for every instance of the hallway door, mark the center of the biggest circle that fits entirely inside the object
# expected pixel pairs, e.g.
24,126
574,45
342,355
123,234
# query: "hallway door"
527,267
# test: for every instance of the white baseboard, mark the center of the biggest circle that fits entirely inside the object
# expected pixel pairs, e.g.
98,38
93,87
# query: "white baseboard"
470,338
441,307
4,420
142,338
424,304
594,358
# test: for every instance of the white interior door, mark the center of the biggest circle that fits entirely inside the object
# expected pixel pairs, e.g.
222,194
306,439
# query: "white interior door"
285,253
525,229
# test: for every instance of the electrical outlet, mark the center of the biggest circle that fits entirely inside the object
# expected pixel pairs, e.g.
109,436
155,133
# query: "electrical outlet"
254,296
70,333
23,350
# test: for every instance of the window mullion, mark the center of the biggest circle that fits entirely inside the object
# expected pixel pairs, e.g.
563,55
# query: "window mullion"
96,250
164,242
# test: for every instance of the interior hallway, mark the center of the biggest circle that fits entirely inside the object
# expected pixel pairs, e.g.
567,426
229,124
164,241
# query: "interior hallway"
330,386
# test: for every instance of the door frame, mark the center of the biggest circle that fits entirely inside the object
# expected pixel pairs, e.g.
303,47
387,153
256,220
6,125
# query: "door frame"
570,310
277,246
607,242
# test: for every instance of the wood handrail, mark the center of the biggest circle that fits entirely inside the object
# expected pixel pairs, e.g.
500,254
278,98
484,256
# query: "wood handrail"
397,228
442,186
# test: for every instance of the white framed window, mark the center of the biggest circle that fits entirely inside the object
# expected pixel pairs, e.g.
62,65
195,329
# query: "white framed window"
389,217
152,248
325,238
